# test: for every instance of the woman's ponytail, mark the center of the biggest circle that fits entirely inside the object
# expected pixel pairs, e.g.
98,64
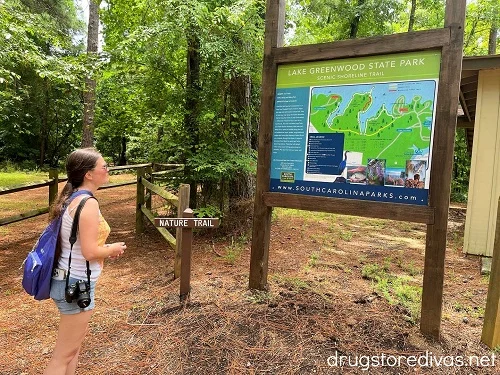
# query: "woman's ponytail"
58,205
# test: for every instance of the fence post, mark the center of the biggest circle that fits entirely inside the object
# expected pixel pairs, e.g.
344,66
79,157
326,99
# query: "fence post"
491,326
183,204
139,219
149,173
54,186
187,242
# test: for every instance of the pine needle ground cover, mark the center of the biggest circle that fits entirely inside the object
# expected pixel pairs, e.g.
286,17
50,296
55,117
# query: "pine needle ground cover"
338,285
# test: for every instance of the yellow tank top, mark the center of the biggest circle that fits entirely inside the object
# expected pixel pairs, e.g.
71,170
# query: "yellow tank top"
103,233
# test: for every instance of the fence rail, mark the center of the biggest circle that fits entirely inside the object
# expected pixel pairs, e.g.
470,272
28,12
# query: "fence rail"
26,186
174,200
52,183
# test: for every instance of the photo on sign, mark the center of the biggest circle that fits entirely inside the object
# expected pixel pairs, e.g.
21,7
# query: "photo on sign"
376,172
415,174
356,174
395,177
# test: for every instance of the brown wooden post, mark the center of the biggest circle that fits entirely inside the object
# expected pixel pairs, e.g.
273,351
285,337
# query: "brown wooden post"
440,179
183,205
187,243
491,326
261,232
149,173
139,219
54,186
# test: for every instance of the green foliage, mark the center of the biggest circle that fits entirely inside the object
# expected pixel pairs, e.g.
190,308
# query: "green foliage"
315,21
429,14
207,211
39,74
216,161
482,15
461,168
143,94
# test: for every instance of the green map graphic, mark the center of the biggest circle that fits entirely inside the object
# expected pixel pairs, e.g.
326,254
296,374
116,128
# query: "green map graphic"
389,121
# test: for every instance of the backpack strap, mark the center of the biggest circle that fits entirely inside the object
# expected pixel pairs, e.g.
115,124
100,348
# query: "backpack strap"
72,237
76,194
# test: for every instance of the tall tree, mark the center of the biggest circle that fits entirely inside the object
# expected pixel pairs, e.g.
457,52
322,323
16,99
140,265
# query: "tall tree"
355,21
90,84
493,37
411,22
192,101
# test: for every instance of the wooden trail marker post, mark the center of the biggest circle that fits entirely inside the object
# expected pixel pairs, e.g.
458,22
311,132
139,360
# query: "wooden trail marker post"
289,77
491,326
185,225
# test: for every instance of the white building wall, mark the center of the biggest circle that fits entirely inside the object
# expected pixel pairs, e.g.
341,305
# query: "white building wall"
484,184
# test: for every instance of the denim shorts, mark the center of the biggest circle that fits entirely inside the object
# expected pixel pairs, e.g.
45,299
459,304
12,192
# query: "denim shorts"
57,288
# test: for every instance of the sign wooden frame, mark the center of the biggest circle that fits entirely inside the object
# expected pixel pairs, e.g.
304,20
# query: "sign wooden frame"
448,40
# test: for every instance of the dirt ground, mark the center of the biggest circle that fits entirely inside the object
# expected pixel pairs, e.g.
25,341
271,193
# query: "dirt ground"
318,308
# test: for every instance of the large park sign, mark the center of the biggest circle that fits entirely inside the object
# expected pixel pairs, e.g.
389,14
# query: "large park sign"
358,128
361,127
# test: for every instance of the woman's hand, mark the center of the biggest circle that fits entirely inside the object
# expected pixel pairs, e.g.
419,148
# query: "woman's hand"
116,249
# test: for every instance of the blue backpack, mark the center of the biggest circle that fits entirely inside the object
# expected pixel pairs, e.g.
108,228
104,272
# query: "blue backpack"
39,263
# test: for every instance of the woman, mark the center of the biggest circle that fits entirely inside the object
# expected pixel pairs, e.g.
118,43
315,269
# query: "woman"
86,170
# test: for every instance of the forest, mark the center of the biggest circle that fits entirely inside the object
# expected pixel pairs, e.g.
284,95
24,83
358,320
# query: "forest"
176,81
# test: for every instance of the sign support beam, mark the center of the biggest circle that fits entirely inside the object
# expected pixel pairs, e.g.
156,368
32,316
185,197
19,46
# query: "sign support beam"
440,184
261,232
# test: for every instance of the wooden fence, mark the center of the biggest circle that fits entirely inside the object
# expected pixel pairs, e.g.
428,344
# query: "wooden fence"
53,183
145,190
146,175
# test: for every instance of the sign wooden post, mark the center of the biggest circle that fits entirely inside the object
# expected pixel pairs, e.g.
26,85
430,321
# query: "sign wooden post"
440,186
187,243
491,326
307,169
185,224
261,232
183,204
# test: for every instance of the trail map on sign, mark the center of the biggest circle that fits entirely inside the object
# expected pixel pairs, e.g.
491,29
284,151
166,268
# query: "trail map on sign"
389,121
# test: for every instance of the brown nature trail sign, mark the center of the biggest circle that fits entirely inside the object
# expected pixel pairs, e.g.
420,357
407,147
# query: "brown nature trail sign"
280,182
168,222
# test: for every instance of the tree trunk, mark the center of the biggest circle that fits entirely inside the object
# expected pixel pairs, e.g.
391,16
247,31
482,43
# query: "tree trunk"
492,42
243,184
90,84
192,104
44,129
122,160
355,21
412,15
